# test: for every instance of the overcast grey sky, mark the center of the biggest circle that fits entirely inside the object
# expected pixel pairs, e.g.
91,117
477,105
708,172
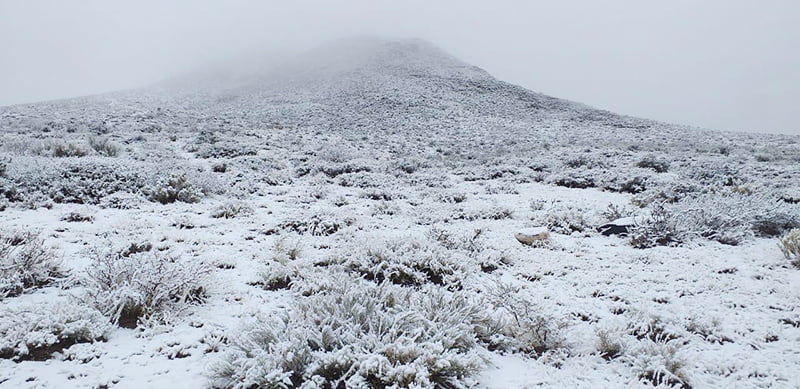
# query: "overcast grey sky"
727,64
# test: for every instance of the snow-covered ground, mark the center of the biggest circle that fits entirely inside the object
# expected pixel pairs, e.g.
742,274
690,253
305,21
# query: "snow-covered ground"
394,174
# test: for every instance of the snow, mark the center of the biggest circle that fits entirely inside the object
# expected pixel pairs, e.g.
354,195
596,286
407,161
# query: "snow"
398,160
533,230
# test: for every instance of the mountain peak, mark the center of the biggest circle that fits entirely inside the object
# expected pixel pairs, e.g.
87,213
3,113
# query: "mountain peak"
380,55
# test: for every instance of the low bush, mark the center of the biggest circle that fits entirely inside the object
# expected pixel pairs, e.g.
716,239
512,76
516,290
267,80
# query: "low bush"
104,147
82,181
659,228
408,262
316,225
450,197
60,149
122,200
136,248
284,265
790,246
726,217
574,180
25,263
333,170
634,185
658,363
225,150
363,335
36,331
76,217
231,209
564,219
175,187
526,328
651,347
653,163
145,288
491,213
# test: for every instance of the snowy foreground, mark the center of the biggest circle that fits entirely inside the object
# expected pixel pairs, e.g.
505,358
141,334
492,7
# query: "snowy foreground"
351,224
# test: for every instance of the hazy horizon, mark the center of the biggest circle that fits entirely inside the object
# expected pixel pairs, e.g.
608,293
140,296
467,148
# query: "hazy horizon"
729,65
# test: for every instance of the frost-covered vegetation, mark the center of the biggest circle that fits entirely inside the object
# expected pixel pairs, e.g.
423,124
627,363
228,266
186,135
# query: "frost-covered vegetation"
790,246
25,263
137,287
353,225
36,331
364,335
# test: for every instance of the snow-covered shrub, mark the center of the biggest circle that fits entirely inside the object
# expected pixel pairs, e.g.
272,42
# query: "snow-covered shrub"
609,344
726,217
407,262
58,148
668,192
136,248
36,331
469,242
411,165
625,180
226,150
381,194
502,188
286,250
25,263
103,146
231,210
277,276
83,181
365,180
316,225
219,167
361,335
564,219
659,228
333,170
633,185
650,346
450,197
717,173
578,179
578,162
144,288
385,208
284,265
658,363
654,163
614,212
75,217
175,187
526,328
494,212
790,246
122,200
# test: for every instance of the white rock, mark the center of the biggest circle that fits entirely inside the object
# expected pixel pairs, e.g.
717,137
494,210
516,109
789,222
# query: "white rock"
531,236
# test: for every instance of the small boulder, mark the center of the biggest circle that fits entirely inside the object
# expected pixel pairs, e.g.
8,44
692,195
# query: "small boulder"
533,236
620,226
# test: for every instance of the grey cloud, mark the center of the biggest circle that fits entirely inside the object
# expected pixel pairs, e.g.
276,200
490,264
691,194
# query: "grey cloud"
719,64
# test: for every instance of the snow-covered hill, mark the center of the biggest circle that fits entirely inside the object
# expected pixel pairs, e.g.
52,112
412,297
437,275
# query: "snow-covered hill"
346,218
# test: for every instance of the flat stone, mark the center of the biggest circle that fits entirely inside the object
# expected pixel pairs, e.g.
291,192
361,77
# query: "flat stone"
531,236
